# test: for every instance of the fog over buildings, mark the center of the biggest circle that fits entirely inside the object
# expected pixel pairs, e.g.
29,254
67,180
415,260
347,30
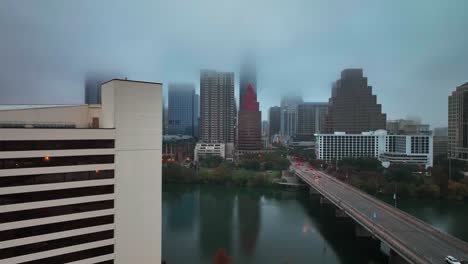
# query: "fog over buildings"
411,48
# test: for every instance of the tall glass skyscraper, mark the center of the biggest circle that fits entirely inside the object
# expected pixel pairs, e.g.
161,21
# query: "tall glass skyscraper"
288,117
183,110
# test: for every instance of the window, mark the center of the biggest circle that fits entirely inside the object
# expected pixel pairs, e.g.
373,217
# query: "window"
55,161
21,145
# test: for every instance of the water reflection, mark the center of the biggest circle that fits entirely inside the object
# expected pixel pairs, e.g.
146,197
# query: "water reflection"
249,217
255,226
182,212
338,234
216,213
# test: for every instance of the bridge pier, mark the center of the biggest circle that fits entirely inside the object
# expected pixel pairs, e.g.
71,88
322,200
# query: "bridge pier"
324,200
360,231
312,191
394,258
340,213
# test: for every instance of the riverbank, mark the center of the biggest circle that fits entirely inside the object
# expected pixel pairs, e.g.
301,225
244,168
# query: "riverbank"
404,180
224,174
414,187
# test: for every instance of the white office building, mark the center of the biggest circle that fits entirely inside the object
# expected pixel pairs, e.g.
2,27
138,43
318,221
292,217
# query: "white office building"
203,150
82,184
402,149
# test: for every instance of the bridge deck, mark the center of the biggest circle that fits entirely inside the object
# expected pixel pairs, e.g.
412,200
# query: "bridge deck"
413,239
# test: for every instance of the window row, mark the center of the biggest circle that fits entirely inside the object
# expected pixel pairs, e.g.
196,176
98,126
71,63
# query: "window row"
48,161
22,145
11,181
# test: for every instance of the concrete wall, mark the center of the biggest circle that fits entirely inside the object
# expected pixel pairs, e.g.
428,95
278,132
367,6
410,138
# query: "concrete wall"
135,110
80,115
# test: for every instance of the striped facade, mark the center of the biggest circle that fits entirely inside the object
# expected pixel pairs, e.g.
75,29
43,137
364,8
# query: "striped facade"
56,195
82,184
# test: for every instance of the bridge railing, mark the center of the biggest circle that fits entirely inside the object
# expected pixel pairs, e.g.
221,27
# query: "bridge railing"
393,241
455,242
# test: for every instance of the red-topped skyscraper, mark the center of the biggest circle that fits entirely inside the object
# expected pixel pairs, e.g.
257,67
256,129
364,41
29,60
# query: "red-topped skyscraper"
249,131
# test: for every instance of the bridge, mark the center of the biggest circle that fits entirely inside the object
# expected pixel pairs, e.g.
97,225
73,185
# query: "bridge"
410,239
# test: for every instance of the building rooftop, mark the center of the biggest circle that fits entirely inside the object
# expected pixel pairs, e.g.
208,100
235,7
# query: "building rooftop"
126,80
24,107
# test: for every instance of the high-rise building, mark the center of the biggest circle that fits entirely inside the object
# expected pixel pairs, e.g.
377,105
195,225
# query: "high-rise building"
249,119
93,81
441,131
440,141
310,120
352,107
289,115
458,123
165,122
407,127
183,110
274,120
82,183
196,110
217,107
247,76
264,128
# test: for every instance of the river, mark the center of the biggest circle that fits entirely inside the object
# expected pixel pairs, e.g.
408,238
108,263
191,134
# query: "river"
277,226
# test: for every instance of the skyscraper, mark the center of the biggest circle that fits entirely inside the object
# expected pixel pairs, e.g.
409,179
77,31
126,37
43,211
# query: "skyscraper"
458,123
407,127
353,108
183,112
196,110
274,120
289,115
249,131
217,107
310,120
264,128
93,81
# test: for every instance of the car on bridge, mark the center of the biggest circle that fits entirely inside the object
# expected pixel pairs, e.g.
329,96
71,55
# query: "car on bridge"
452,260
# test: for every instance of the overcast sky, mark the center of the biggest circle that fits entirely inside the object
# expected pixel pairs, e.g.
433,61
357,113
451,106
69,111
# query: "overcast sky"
414,53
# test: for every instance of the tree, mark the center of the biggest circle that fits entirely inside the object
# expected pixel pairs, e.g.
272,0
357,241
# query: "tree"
402,173
221,257
457,167
210,161
368,164
428,190
222,173
250,164
240,177
440,178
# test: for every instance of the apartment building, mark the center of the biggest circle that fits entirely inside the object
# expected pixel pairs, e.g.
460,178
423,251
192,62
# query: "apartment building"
82,184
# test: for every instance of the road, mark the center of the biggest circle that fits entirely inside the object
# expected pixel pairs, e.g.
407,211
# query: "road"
415,240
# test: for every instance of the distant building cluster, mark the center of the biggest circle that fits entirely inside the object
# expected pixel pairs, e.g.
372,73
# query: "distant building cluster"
214,117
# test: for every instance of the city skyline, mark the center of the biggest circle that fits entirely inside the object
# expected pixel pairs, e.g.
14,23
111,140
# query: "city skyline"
424,59
233,131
